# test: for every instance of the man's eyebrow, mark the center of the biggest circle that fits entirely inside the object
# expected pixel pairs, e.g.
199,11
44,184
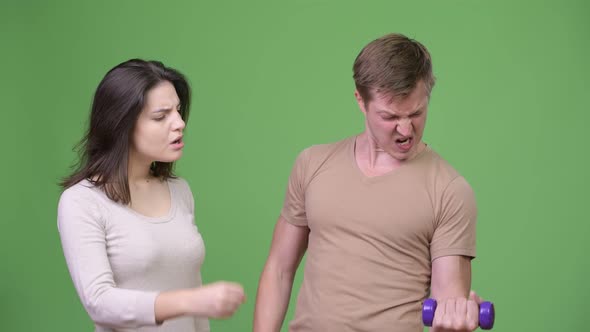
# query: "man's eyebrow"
386,111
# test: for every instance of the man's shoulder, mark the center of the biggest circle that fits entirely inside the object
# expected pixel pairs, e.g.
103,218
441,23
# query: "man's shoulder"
315,157
324,150
438,165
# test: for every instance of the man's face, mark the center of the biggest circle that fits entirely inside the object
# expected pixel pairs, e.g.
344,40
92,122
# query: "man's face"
396,125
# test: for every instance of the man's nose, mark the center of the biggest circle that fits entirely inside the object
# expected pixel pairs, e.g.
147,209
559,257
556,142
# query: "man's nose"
404,127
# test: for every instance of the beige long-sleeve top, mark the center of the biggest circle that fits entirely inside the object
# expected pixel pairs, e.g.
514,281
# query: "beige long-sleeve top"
119,260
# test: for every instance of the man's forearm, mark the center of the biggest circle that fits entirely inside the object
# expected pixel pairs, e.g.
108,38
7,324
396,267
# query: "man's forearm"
272,300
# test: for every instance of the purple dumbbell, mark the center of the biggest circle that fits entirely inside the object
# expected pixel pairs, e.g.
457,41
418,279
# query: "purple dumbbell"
486,314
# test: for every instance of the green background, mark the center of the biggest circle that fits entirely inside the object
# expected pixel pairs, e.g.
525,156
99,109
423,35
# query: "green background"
273,77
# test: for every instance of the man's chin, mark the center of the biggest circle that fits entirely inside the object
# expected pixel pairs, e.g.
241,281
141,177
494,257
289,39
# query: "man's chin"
402,155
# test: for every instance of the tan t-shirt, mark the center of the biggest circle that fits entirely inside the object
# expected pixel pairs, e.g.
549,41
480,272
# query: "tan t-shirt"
372,239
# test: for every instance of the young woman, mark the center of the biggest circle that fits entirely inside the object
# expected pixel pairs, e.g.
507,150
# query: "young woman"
126,222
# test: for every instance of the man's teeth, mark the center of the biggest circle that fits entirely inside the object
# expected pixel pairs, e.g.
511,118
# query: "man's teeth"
407,140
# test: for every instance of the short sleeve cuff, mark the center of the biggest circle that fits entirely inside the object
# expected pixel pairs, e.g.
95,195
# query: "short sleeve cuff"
452,252
293,220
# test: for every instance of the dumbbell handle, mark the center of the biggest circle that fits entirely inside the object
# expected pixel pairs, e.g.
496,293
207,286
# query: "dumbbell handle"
486,314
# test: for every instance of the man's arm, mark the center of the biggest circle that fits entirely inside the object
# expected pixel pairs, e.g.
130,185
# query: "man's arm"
274,288
457,308
451,277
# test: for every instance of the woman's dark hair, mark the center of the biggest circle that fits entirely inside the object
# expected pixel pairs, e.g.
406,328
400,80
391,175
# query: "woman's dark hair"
118,102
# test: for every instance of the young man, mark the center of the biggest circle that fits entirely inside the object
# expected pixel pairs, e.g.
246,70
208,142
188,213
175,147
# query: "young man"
383,218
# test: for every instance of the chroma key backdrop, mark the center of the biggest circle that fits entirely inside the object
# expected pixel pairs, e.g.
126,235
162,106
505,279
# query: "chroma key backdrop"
509,111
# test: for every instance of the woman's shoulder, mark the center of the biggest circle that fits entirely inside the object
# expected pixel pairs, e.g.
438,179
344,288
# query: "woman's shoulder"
82,189
84,193
181,191
179,183
79,202
181,186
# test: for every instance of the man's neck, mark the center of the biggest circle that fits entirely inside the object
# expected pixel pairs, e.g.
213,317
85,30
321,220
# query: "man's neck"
373,160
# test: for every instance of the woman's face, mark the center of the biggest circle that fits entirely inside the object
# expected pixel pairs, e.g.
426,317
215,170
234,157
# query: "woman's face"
158,131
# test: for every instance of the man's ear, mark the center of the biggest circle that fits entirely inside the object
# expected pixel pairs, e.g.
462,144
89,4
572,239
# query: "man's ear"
360,101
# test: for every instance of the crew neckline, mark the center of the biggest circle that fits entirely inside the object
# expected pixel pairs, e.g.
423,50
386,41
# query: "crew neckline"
161,219
378,178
